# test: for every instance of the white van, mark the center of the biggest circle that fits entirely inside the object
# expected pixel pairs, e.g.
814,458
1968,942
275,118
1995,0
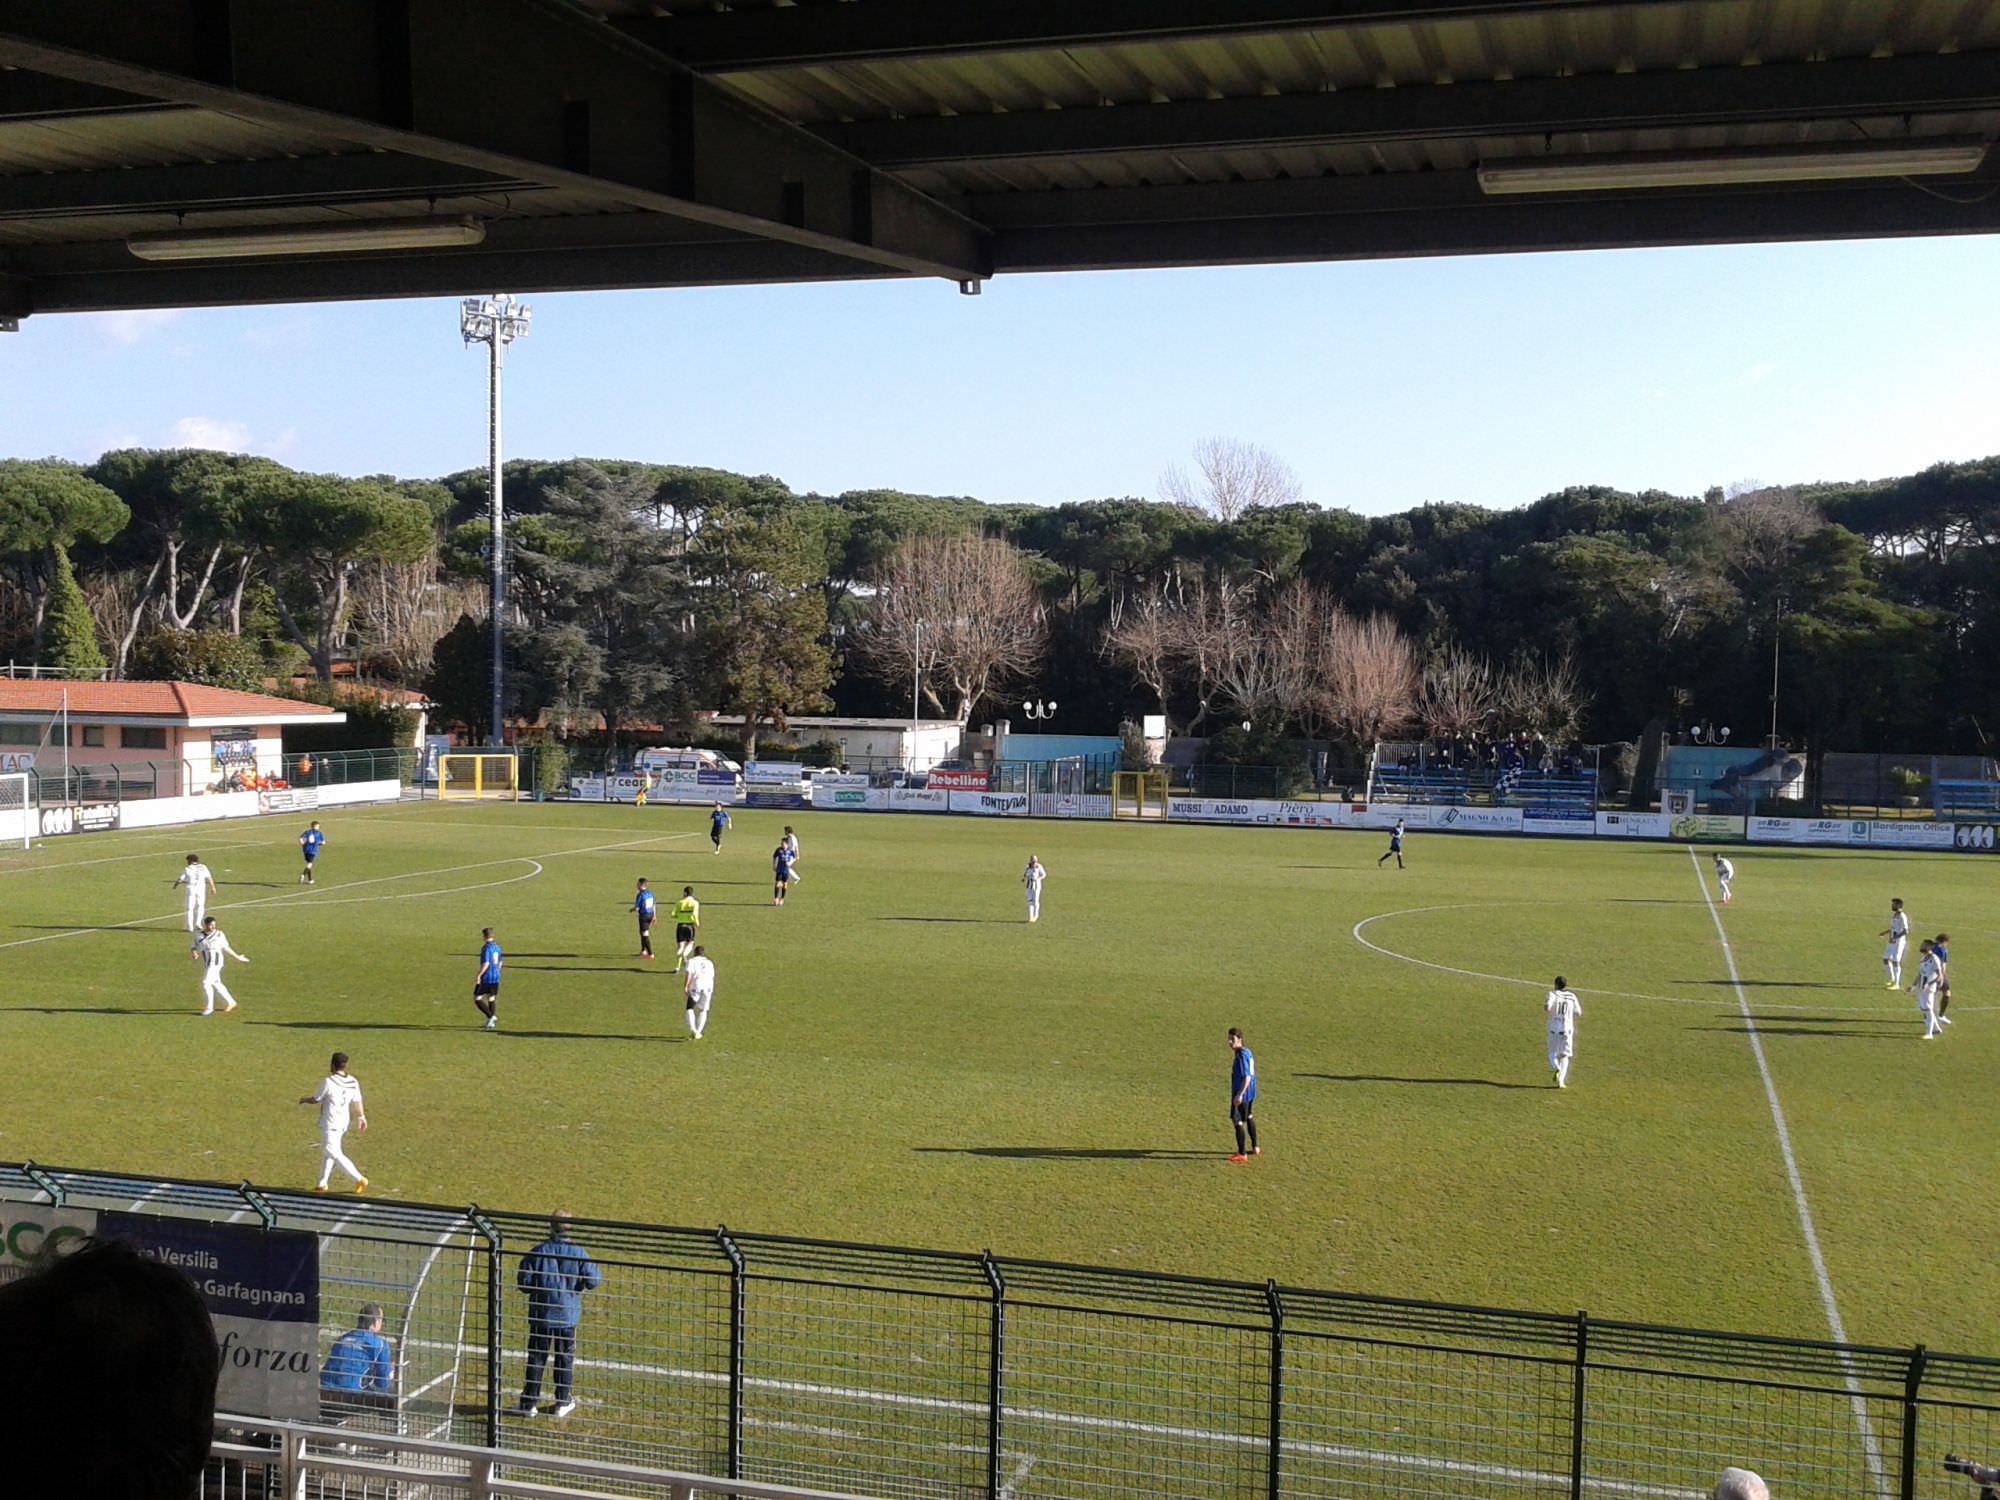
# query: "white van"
657,758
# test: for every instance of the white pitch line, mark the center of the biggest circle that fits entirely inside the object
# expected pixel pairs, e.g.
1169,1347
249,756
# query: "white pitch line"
113,859
1535,984
310,891
1014,1479
1818,1257
1303,1447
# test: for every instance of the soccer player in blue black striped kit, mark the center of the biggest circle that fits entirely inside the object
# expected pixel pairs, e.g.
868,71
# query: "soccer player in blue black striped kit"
1242,1097
647,905
309,845
486,985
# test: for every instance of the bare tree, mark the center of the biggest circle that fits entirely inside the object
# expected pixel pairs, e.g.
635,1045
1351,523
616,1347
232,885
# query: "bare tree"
1230,477
118,607
958,615
1144,636
1542,696
1370,679
402,611
1459,692
1759,531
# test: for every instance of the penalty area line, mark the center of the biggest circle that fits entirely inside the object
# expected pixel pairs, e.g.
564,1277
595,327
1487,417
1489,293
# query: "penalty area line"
1811,1234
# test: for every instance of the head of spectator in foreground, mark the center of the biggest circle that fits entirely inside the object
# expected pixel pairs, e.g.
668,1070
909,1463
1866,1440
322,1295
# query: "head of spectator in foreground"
1739,1484
369,1317
559,1224
109,1379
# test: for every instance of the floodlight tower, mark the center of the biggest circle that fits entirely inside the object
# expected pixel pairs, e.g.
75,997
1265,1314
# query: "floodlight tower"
495,322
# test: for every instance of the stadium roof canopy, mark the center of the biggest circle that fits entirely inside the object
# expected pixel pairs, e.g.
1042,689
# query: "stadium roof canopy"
149,149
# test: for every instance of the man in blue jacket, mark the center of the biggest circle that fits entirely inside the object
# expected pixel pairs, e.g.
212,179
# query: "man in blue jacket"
360,1359
554,1276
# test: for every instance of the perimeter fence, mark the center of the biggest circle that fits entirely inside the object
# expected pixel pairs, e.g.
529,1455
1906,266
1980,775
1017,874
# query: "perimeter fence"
923,1373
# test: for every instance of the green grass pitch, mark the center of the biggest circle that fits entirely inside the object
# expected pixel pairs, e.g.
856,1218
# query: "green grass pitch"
898,1056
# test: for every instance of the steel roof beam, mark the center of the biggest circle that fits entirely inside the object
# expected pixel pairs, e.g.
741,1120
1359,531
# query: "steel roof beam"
457,273
1577,222
375,177
800,36
1530,106
34,96
536,90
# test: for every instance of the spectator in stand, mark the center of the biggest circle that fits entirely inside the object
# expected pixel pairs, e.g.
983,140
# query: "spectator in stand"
109,1384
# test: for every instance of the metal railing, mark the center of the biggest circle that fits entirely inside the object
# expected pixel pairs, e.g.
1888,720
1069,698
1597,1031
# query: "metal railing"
919,1373
261,1458
94,782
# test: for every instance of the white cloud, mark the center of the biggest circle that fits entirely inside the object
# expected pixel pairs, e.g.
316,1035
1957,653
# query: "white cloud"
211,432
128,328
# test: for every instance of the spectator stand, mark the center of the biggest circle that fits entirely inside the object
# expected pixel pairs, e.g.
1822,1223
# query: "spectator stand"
1520,772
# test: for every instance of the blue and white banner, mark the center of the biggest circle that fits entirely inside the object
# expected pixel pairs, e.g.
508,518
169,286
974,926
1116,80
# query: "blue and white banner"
262,1290
1564,820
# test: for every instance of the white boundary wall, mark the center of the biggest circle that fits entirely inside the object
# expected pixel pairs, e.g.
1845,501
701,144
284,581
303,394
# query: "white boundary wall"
1283,813
167,812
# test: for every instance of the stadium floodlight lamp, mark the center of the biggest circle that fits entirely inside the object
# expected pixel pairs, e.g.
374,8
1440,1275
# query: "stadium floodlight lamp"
307,239
495,322
1943,157
1038,710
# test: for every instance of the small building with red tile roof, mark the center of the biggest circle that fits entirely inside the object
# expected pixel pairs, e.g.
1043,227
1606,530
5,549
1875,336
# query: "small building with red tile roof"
181,737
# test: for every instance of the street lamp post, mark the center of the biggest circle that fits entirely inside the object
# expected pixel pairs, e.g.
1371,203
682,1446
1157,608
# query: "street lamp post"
495,322
1777,636
1039,711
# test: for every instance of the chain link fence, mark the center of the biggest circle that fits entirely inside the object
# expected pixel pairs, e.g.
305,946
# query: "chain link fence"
916,1373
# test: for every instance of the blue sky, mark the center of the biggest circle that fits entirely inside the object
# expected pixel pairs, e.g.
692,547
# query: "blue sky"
1491,380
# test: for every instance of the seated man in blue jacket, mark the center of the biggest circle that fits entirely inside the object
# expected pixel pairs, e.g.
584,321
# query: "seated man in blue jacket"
554,1276
360,1359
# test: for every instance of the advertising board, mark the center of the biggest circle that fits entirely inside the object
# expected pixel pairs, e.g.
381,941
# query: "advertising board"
1216,810
262,1290
774,770
83,817
1975,838
233,747
294,799
839,778
956,781
918,799
1699,828
1307,814
714,776
1478,819
1571,821
1633,825
1893,833
1804,831
775,795
1386,814
990,804
848,798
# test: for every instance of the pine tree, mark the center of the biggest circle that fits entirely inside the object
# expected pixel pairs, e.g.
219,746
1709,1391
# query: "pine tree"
69,639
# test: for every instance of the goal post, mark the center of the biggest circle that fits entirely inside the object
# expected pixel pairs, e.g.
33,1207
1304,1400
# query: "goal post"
18,810
465,775
1139,794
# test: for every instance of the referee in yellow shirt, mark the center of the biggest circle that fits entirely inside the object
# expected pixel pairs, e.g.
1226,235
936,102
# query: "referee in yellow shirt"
687,921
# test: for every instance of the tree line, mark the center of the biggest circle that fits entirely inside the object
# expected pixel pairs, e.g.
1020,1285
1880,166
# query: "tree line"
640,593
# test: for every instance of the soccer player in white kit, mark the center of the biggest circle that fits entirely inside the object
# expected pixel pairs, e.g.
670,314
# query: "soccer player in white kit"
1930,975
338,1098
209,949
1563,1008
1898,934
1031,878
699,987
1724,873
791,842
197,883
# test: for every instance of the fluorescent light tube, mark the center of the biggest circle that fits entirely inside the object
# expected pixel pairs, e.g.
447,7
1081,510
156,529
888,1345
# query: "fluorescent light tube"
1786,164
307,239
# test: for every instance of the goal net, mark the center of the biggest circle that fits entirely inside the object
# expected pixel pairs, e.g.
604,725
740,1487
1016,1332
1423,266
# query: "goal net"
465,775
18,811
1139,794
